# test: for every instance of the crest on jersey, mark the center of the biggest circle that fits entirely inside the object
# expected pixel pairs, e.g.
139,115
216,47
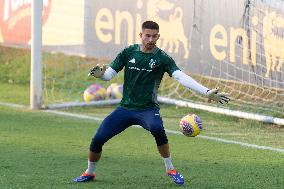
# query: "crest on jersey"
152,63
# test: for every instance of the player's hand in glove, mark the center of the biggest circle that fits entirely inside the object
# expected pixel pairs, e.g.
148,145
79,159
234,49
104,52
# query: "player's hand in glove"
97,71
214,94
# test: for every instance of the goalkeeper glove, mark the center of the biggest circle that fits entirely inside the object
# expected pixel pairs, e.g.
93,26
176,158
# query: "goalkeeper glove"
97,71
214,94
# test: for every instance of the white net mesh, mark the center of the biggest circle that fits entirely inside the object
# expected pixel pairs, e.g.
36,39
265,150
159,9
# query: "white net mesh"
249,53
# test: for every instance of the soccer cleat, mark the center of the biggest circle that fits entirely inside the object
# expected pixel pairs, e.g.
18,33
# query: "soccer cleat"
85,177
176,177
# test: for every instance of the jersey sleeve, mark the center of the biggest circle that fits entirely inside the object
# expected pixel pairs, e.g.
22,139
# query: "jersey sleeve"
170,65
119,61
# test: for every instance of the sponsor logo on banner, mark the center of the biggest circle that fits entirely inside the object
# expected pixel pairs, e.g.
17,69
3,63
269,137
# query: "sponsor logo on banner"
109,22
15,20
271,34
171,28
272,42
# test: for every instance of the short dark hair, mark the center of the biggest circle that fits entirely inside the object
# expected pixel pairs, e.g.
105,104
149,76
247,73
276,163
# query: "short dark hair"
150,25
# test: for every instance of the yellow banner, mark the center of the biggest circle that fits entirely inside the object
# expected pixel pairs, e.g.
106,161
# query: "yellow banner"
65,25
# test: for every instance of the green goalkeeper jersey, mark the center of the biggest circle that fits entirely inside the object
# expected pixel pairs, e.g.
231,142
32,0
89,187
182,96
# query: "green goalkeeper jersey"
143,73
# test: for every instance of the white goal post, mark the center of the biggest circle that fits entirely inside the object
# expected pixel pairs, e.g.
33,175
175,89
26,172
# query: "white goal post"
179,103
36,48
240,114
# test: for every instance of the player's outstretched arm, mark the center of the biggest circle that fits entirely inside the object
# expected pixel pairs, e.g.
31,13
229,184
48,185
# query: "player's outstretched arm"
189,82
102,72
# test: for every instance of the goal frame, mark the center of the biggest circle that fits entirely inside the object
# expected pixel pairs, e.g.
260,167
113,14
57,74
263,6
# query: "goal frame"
36,80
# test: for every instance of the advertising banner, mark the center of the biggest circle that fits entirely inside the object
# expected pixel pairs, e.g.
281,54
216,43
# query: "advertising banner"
15,20
240,41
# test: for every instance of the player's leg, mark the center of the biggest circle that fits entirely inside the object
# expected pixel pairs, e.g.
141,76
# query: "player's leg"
115,123
171,171
151,121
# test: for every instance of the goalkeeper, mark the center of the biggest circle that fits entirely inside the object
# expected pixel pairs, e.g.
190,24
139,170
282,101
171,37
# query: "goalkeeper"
145,65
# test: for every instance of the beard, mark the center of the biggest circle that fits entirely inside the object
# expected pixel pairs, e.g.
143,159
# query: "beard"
150,45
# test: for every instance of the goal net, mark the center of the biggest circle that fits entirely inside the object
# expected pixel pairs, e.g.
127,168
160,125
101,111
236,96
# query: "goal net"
235,45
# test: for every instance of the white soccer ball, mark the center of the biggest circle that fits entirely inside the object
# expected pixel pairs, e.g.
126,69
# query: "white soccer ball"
114,91
191,125
94,92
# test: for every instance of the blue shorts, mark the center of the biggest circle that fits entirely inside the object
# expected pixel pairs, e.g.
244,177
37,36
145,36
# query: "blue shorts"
121,118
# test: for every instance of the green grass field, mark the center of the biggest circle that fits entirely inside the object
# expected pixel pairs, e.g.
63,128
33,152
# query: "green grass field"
42,150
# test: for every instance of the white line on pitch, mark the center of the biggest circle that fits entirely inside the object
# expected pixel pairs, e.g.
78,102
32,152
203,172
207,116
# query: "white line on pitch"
175,132
12,105
80,116
232,142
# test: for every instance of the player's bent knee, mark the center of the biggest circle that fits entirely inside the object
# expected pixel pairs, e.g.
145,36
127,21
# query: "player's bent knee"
97,144
160,137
